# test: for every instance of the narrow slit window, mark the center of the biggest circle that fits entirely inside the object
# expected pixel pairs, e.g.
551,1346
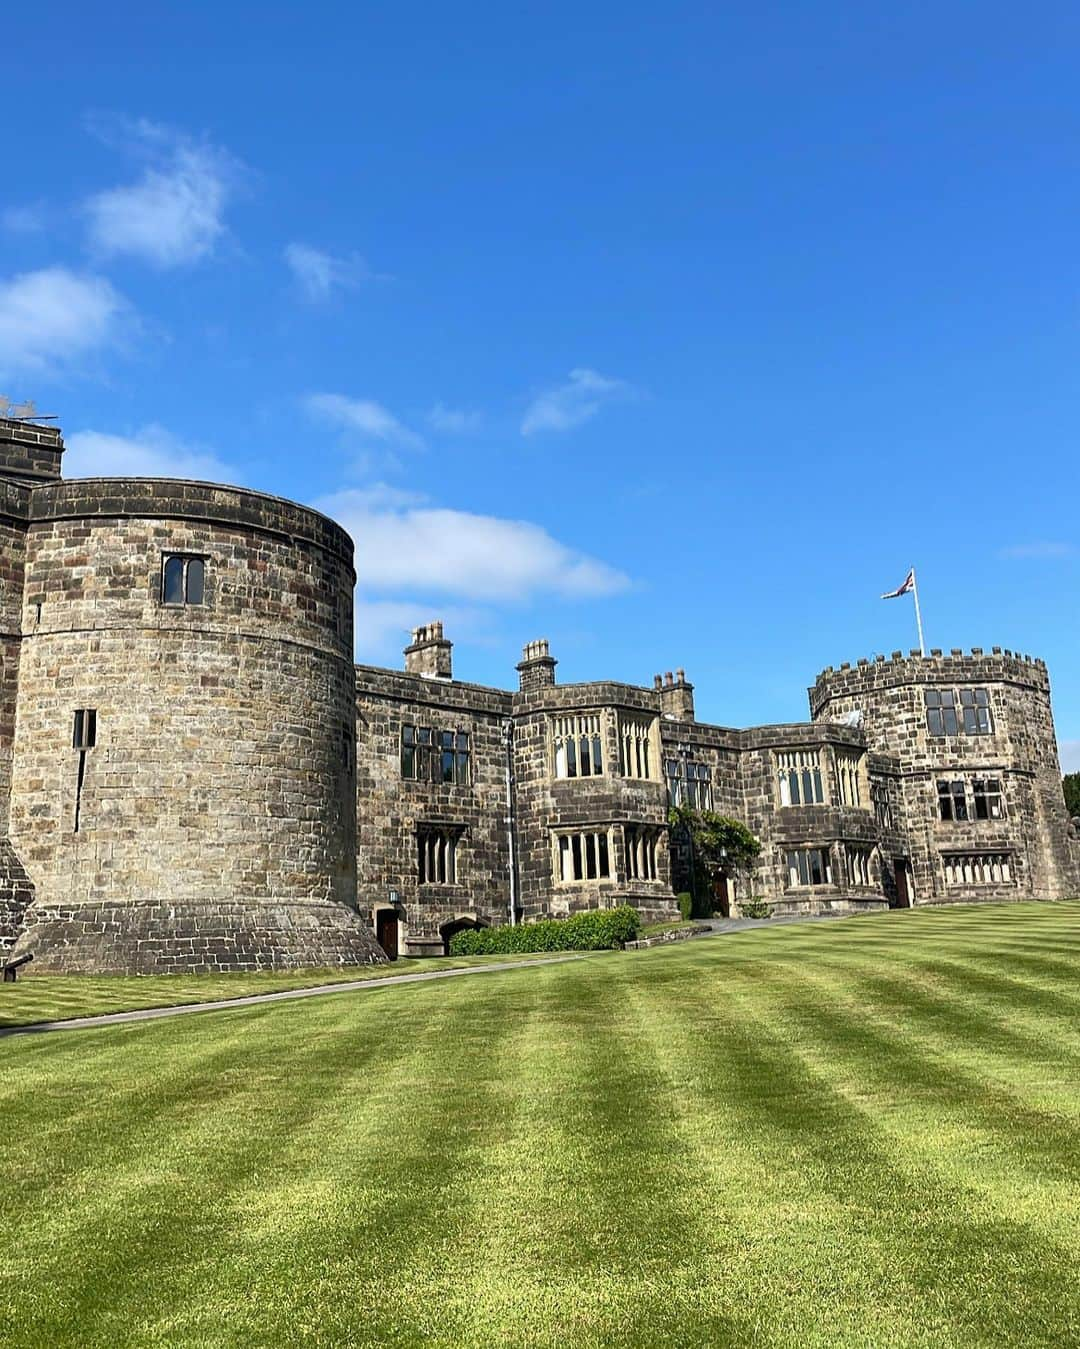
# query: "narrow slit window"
84,734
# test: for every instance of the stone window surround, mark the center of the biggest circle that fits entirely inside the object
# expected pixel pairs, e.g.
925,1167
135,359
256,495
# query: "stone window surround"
979,868
642,842
577,744
858,858
437,849
822,853
798,774
984,803
424,750
957,711
638,745
185,559
602,854
691,782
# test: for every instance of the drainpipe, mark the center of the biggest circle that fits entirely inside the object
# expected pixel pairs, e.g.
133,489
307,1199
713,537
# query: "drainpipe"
508,742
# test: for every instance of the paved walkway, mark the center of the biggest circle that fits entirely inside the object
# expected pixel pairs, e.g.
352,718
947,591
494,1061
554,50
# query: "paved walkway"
715,926
315,991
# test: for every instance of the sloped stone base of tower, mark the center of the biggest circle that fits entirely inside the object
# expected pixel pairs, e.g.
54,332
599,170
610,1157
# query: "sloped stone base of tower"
16,895
192,938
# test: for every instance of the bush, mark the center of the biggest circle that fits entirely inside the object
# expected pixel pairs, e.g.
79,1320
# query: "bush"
598,930
686,906
755,907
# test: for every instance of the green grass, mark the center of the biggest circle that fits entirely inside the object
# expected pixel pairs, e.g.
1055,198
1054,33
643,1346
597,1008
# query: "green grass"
853,1133
56,997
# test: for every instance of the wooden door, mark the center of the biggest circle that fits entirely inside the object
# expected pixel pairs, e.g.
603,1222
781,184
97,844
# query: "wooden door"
386,931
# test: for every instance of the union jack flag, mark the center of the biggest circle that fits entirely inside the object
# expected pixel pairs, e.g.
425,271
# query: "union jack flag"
909,584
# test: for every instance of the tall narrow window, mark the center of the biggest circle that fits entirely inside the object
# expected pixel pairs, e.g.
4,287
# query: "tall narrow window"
635,745
858,864
799,777
583,856
436,855
577,746
809,866
83,738
848,770
183,579
641,841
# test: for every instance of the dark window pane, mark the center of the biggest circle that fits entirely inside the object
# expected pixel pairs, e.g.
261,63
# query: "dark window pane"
408,735
575,845
447,765
604,867
590,857
950,720
571,757
598,762
172,588
195,573
408,761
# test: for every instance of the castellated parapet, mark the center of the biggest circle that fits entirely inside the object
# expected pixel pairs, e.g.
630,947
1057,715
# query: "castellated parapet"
180,776
954,720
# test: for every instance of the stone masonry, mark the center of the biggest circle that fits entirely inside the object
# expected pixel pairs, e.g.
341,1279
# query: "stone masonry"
195,775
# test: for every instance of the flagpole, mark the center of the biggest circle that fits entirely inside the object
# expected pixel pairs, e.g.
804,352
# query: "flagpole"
918,611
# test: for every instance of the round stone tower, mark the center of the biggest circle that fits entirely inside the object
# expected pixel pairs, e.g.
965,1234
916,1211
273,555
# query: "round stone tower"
973,734
182,775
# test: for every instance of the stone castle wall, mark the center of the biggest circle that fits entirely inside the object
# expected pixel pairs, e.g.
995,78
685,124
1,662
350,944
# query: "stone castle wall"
1021,752
222,772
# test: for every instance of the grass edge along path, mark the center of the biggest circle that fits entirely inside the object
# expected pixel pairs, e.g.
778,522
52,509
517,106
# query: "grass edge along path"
448,970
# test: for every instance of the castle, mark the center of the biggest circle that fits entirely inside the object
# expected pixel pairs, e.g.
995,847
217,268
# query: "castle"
194,774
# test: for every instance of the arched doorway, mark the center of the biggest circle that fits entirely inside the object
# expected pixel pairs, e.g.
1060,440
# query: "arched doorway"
459,924
386,931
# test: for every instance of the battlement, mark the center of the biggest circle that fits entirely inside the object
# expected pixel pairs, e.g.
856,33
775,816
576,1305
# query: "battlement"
976,666
29,451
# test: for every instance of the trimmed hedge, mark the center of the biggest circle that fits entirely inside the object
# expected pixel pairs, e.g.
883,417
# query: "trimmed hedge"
598,930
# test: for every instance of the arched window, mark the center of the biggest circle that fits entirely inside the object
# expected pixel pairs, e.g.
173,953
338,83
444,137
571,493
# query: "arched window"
193,590
172,586
183,579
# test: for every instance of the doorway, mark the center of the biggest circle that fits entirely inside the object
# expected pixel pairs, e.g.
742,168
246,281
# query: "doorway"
386,931
902,870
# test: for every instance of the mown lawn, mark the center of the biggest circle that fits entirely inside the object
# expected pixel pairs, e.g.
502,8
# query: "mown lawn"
57,997
853,1133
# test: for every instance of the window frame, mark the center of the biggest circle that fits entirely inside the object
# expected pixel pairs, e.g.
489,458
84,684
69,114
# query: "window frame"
576,741
824,855
952,803
437,849
582,848
84,729
425,755
186,561
957,711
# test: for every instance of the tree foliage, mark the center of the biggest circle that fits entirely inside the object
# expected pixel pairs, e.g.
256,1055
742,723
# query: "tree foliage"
722,846
1071,785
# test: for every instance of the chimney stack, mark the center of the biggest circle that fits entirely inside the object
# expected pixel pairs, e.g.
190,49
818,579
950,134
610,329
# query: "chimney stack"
537,667
430,654
676,696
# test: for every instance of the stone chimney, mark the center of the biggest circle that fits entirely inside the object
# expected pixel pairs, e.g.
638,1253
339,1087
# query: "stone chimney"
537,668
430,654
676,696
29,452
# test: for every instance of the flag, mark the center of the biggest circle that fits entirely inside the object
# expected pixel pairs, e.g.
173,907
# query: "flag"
909,584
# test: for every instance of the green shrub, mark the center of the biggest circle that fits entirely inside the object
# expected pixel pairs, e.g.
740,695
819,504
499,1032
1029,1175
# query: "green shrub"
755,907
598,930
686,906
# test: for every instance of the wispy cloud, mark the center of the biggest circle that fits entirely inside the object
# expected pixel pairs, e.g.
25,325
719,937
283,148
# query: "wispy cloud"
318,274
52,318
151,453
410,548
453,421
383,626
1044,548
362,416
173,214
570,404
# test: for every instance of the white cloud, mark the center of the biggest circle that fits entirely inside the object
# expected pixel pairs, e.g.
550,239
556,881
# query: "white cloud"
383,627
54,316
1070,756
151,453
454,421
1043,548
361,415
172,214
572,403
407,547
319,274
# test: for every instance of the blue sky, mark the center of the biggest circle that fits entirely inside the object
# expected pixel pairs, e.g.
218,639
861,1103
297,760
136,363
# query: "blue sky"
672,333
